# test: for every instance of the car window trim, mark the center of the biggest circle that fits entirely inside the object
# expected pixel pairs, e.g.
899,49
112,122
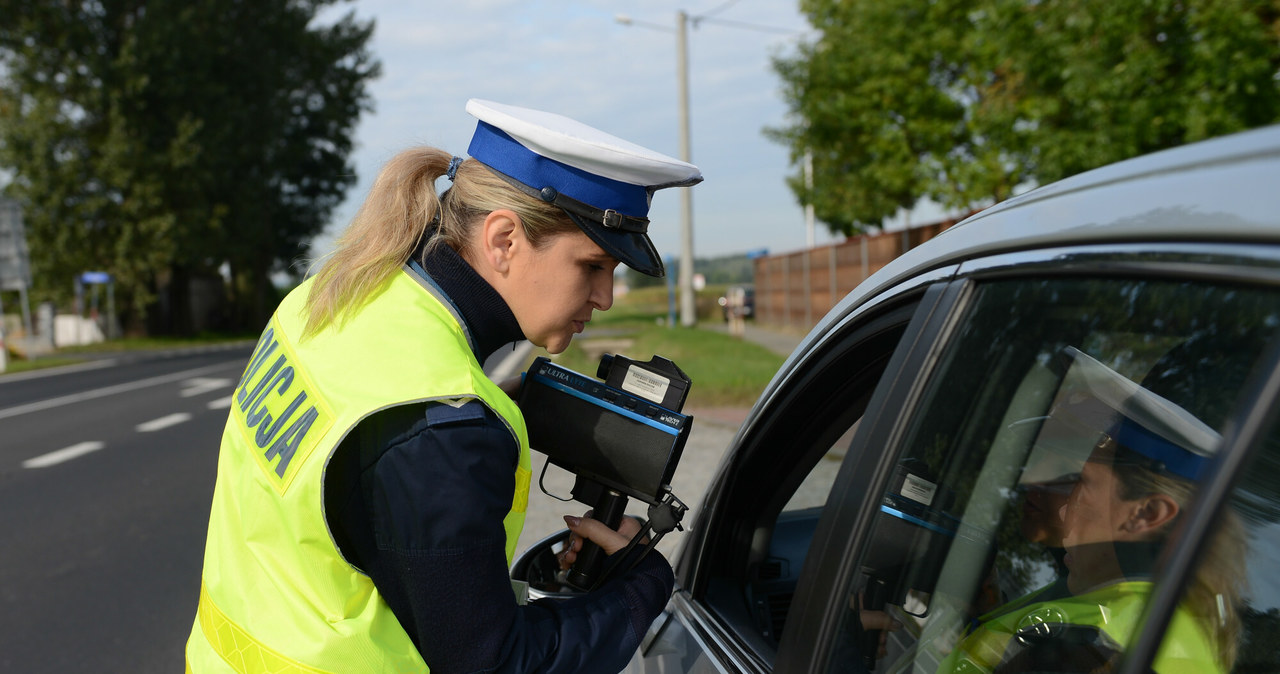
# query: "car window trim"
843,527
1203,262
861,300
1251,423
702,625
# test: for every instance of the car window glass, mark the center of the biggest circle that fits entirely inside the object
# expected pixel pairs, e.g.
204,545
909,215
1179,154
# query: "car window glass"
815,488
1242,557
779,491
1062,434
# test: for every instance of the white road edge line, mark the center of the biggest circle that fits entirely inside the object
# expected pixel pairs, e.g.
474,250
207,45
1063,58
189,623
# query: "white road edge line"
62,369
112,390
163,422
65,454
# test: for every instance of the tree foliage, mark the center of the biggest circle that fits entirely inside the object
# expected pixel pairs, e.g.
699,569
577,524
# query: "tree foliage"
962,102
160,140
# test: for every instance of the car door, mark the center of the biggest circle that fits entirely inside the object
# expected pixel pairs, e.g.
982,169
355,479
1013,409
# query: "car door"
743,557
1048,463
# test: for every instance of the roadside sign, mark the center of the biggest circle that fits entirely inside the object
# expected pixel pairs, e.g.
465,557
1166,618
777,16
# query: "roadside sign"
92,277
15,267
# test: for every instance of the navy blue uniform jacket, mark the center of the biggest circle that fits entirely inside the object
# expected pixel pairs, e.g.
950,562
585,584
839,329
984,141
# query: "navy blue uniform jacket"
415,497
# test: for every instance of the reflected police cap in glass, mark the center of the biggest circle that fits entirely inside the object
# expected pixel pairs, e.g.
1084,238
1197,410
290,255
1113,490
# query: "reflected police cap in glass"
1095,402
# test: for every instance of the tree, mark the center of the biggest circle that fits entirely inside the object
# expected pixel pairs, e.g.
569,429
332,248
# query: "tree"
963,102
1098,82
160,140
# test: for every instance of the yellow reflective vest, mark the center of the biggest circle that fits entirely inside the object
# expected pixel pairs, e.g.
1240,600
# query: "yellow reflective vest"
1115,611
277,595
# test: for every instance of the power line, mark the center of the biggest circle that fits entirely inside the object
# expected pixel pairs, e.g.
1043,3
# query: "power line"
717,10
748,26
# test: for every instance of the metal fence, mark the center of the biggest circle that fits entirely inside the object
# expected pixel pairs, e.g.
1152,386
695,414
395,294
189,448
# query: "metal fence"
794,290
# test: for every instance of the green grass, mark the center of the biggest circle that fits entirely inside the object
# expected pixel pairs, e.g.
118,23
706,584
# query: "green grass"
19,365
725,371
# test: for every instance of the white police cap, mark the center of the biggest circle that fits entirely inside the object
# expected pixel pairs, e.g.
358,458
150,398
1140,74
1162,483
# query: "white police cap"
1095,400
604,183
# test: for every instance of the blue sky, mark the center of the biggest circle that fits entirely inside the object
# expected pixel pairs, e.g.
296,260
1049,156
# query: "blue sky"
575,59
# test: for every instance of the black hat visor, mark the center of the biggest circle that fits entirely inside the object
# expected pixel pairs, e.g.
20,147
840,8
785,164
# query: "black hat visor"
632,248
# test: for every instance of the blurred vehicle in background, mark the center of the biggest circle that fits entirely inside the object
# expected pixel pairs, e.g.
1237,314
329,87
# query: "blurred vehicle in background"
738,300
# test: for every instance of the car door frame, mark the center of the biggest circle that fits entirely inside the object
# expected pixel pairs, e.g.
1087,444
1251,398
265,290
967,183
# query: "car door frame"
850,513
716,534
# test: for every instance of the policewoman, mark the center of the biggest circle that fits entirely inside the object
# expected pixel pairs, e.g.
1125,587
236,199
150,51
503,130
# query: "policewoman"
372,480
1142,472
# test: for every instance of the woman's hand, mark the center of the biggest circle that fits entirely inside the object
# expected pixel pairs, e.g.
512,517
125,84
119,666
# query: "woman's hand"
879,620
584,527
875,620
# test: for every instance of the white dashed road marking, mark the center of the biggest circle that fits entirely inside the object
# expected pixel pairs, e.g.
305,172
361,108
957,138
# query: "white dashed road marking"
66,454
220,403
163,422
106,391
194,387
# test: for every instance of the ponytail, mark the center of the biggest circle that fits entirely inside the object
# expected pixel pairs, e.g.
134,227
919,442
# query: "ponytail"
400,208
385,232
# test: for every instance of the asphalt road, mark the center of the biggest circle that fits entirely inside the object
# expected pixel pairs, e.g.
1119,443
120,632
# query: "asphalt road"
106,476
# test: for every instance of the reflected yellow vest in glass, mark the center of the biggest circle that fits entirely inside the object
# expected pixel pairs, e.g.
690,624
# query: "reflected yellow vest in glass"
277,596
1116,610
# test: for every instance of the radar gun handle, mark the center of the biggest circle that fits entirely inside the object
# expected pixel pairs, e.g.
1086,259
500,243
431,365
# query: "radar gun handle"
609,509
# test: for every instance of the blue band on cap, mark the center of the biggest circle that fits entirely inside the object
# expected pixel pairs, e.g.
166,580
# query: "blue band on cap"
499,151
1177,460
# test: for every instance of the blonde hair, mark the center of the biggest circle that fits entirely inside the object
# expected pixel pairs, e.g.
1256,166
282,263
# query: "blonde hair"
400,209
1213,593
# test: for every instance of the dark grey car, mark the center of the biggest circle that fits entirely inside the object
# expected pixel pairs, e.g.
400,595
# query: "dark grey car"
907,457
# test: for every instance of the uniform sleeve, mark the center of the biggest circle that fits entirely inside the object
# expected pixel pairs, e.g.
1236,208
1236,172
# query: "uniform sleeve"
436,500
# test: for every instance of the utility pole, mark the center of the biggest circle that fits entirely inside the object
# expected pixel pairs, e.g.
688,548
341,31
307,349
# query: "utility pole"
688,305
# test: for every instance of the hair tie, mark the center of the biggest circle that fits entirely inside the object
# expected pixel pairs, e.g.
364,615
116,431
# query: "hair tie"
453,168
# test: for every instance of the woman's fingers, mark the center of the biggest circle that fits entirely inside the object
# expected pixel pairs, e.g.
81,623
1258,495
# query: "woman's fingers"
569,554
595,531
630,527
586,528
879,620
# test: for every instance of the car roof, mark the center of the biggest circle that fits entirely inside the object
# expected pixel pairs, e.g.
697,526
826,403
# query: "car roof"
1221,190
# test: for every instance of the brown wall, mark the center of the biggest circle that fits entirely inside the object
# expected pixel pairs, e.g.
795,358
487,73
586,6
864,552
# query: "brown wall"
783,299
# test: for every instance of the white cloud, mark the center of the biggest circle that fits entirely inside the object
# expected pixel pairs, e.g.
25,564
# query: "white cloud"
573,58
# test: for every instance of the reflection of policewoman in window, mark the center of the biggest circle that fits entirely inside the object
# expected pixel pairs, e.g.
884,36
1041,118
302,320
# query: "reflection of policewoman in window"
1131,491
